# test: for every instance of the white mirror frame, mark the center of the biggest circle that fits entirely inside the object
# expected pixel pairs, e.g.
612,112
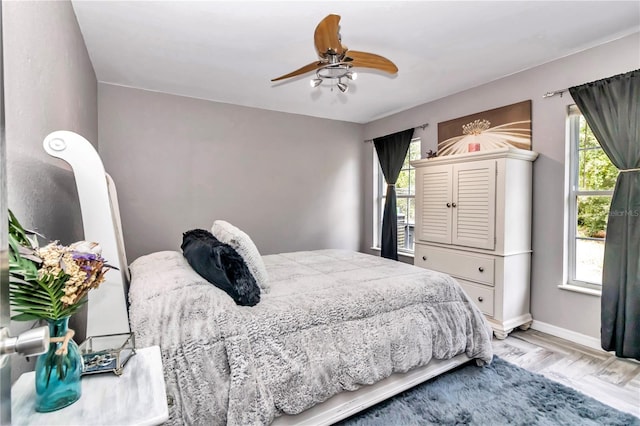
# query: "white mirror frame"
107,306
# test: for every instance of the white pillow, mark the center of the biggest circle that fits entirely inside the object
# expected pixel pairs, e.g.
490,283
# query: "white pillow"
241,242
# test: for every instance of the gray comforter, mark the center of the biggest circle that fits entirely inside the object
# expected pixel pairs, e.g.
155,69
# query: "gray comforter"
333,321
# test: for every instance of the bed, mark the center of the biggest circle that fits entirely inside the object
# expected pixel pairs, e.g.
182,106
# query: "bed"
333,321
337,332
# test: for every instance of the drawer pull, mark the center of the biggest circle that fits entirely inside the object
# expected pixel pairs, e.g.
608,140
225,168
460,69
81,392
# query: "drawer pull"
454,204
481,269
424,258
480,299
448,205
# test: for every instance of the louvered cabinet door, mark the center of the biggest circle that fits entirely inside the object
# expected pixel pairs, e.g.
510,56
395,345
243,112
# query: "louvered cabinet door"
433,214
474,204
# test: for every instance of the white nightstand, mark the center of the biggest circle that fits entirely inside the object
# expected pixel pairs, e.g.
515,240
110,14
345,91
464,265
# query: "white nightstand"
137,397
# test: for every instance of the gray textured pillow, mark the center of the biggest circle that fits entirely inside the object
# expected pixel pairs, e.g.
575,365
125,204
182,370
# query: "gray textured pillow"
241,242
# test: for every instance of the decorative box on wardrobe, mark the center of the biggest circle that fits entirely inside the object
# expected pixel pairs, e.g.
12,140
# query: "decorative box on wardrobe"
473,221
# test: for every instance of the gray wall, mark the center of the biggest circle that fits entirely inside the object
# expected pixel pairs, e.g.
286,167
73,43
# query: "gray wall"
49,85
291,182
549,304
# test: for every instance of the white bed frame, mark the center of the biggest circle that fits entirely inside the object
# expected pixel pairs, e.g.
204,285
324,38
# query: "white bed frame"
347,403
107,310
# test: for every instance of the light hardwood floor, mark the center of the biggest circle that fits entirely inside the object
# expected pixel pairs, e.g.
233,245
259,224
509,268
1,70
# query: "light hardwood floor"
613,381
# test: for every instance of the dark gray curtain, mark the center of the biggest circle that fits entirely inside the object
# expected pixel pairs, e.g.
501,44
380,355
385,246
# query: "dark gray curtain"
391,150
612,110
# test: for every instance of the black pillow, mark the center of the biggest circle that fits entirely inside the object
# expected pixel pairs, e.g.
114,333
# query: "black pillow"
221,265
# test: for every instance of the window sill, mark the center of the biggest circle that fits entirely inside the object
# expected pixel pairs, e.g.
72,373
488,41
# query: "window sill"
400,253
578,289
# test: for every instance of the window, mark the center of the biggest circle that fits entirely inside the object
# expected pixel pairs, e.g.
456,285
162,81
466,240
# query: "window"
592,181
405,194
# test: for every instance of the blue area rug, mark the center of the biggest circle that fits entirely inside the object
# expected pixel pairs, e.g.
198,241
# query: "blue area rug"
499,394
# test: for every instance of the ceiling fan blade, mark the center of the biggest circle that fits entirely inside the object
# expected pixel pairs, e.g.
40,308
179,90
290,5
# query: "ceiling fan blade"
326,36
307,68
370,60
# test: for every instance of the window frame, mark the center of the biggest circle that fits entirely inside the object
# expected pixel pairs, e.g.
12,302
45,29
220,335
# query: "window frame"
574,116
380,186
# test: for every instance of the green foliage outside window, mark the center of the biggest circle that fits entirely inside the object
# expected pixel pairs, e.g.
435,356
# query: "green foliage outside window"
405,185
595,173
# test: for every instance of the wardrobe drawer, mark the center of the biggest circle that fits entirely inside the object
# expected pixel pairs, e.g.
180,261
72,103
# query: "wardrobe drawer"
481,295
457,264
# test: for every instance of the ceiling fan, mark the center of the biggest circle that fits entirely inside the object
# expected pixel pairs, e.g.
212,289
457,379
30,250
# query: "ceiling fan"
336,60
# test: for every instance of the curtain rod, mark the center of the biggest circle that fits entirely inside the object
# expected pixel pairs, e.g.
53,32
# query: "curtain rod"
422,126
554,93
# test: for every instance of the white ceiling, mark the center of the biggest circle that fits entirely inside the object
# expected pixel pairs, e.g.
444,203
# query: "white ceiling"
228,51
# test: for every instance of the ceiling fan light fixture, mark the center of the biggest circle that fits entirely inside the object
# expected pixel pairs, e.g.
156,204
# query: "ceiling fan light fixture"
335,60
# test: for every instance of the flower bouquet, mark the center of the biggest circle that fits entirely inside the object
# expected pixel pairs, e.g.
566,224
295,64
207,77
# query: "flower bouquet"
51,283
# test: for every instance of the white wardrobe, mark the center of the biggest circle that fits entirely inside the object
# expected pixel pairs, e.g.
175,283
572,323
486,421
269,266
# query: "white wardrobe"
473,221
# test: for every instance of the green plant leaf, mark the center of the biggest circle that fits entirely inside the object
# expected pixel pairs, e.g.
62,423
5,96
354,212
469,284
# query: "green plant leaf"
25,317
33,296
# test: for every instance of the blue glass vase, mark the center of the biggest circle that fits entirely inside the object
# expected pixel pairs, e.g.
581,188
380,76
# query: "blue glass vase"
58,375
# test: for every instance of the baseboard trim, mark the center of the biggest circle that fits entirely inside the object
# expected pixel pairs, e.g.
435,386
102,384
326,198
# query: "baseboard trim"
572,336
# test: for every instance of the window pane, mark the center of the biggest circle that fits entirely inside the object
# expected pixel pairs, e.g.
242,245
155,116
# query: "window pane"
402,223
405,164
405,190
591,171
595,171
412,211
402,205
402,184
410,224
414,150
413,153
589,259
412,182
586,138
593,211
